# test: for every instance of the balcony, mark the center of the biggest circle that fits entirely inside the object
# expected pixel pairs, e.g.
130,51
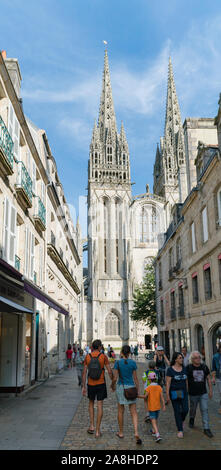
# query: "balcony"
6,150
173,313
40,215
24,186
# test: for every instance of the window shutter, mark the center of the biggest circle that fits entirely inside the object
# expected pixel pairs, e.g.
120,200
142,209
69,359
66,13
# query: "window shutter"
43,192
12,235
26,251
205,225
219,206
32,247
14,130
11,121
6,229
193,237
33,177
16,137
28,161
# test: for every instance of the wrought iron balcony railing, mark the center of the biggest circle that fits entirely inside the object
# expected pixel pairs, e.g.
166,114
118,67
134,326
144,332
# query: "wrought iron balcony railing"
6,147
24,184
40,213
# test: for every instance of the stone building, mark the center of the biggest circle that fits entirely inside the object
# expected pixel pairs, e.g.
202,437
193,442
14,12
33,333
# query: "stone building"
124,232
40,289
188,266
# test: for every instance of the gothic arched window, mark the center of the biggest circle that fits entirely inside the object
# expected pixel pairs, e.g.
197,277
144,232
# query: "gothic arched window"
112,325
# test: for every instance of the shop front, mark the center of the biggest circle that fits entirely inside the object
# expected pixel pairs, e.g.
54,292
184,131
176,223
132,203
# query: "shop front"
16,331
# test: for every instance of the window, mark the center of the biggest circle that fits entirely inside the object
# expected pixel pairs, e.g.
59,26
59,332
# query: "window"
195,288
172,303
219,207
9,232
14,130
205,225
207,282
161,312
29,253
181,301
112,325
193,238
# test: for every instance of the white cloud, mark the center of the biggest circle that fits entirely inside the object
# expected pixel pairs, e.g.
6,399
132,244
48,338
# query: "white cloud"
77,129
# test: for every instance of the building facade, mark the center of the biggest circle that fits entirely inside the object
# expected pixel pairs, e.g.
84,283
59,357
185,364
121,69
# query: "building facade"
40,289
188,266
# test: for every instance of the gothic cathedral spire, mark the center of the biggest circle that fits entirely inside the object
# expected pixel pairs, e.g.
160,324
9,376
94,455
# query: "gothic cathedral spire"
170,170
109,153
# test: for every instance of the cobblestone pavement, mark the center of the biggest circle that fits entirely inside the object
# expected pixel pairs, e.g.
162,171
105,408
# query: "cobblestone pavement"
77,438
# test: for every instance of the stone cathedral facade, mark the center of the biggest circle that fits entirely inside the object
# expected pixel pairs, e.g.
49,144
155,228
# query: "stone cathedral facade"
125,232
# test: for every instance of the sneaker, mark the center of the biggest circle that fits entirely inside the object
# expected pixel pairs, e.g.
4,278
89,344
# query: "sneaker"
158,438
208,433
191,422
152,433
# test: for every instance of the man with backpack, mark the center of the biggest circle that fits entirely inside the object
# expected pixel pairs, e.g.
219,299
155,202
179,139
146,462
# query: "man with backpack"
94,364
198,374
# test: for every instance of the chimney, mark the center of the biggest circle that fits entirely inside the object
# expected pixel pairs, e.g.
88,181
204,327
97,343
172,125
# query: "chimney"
14,72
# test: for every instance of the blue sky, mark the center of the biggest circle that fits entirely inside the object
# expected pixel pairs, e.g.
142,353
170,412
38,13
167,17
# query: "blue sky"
59,47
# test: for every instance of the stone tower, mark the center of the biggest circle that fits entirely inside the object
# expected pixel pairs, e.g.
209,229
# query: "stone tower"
170,179
109,197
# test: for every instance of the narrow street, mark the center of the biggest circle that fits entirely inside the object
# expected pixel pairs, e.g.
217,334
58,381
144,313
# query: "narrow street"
54,416
77,437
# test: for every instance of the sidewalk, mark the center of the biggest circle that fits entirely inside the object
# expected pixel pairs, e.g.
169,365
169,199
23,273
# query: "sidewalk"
78,438
39,419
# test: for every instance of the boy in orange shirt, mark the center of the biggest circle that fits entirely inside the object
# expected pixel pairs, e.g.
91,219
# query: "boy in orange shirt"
154,397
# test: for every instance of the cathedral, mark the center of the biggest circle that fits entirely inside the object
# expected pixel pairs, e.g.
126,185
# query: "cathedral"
125,232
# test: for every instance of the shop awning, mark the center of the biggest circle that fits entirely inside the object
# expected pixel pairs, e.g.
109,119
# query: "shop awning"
8,306
43,297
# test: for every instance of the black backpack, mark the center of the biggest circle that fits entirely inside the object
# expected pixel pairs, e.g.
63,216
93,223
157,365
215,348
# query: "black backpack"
94,368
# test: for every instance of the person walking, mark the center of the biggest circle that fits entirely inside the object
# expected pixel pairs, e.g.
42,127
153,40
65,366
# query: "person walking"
216,372
136,352
69,353
177,390
154,397
147,382
161,362
94,363
126,378
80,366
132,351
198,374
74,354
186,356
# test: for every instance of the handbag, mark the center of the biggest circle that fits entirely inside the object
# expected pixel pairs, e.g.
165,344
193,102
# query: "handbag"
177,395
129,393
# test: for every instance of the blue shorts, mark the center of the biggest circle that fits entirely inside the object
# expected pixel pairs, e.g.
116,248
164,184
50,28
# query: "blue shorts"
154,414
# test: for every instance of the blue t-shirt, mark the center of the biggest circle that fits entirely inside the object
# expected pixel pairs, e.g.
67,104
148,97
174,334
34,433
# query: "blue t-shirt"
178,379
126,371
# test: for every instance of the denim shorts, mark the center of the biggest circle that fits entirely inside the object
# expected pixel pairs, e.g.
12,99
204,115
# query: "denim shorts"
154,414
